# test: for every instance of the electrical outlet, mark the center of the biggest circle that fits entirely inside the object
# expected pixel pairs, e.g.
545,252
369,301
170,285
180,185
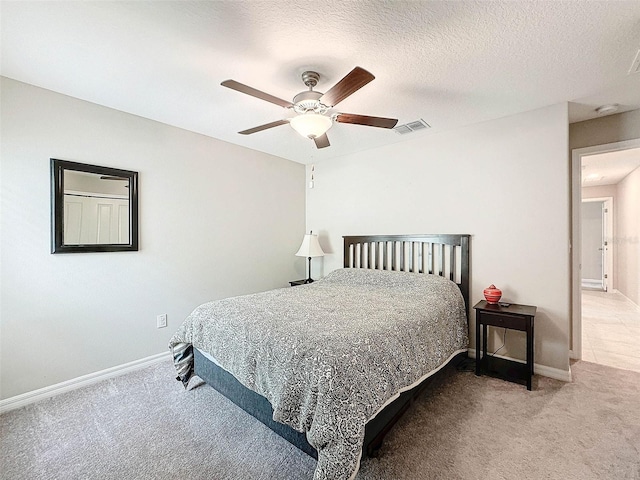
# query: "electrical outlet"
161,320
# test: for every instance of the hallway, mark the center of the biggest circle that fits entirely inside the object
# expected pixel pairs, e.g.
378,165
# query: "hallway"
610,330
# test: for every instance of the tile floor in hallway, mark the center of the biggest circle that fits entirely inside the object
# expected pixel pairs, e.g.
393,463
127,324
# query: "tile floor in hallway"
610,330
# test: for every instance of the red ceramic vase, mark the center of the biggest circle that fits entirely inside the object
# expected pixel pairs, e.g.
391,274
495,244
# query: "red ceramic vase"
492,294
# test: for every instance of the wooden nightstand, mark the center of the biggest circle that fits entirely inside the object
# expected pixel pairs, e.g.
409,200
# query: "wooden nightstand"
515,317
298,282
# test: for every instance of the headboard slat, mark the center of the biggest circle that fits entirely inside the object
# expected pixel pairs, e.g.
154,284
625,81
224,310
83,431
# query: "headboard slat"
452,263
432,258
372,255
393,256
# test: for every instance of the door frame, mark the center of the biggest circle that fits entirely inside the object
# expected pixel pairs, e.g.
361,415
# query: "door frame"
575,351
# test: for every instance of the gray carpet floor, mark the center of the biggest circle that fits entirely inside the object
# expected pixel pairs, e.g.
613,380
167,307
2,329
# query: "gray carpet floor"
144,425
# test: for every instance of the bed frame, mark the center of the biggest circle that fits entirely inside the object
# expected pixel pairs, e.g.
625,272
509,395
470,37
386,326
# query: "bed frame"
444,255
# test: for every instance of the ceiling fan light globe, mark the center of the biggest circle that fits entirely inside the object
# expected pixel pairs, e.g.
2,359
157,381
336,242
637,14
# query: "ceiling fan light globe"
311,125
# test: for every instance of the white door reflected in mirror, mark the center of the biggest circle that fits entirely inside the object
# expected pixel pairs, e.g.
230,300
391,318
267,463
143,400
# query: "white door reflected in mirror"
96,209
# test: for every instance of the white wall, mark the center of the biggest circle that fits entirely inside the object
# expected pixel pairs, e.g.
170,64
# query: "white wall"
600,191
505,182
628,236
603,130
215,220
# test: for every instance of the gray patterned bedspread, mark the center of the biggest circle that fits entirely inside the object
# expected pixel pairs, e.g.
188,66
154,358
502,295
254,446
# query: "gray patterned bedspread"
328,355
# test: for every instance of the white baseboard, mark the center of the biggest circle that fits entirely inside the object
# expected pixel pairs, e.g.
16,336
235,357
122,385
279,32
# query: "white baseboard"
79,382
555,373
592,284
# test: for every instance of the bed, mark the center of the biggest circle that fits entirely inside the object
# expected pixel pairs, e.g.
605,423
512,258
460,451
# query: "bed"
331,366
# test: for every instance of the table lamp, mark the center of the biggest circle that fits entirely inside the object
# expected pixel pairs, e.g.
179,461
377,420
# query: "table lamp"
310,248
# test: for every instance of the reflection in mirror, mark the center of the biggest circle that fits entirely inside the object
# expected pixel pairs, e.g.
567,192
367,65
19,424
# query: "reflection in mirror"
94,208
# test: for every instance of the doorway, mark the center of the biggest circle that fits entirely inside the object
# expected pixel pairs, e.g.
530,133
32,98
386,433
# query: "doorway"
605,323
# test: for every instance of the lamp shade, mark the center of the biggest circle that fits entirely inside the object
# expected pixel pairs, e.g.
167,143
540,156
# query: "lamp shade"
310,247
311,125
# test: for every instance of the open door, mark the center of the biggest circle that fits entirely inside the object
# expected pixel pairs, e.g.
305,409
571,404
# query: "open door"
607,235
597,230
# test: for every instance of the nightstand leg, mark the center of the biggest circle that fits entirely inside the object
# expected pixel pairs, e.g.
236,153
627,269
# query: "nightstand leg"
478,356
485,360
529,351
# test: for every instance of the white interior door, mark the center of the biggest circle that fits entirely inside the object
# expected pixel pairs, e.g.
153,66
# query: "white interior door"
607,236
597,247
592,244
95,220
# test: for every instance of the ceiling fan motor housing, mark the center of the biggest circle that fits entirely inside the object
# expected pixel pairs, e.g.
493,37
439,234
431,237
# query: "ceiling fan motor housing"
309,101
310,79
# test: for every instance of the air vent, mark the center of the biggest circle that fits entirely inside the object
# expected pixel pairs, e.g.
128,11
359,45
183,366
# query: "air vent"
402,129
635,66
412,127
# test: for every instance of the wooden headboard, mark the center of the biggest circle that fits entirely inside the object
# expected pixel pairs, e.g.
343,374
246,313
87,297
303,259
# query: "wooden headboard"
444,255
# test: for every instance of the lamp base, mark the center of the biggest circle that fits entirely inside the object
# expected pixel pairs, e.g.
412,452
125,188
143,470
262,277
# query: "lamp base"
309,280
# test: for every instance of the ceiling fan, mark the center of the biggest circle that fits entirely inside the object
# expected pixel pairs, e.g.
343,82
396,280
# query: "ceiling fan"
314,109
111,177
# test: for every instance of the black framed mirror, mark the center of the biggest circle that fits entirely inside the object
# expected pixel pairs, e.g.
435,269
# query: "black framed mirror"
93,208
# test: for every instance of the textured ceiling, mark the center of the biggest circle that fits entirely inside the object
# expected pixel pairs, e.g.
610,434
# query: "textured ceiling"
449,63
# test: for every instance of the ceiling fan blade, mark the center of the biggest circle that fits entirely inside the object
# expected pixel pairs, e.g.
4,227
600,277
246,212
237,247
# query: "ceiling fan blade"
322,141
110,177
263,127
242,88
366,120
353,81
